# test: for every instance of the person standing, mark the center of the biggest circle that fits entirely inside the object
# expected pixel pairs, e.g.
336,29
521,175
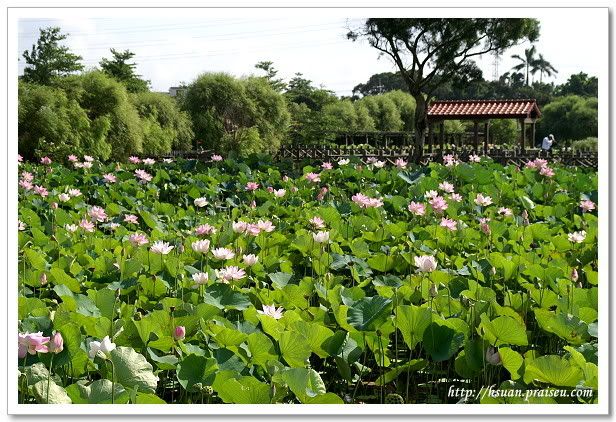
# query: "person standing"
546,145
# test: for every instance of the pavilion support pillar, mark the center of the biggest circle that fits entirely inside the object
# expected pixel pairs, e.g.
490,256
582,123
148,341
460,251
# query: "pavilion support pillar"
523,137
486,134
476,136
441,135
534,140
430,142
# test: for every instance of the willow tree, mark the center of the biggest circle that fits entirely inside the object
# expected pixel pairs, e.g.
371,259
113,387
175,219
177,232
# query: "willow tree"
429,52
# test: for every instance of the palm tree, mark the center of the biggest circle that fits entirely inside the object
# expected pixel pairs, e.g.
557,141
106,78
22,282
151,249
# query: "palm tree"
527,62
542,66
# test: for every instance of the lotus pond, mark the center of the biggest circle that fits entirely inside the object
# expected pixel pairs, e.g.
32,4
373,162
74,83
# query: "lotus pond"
259,282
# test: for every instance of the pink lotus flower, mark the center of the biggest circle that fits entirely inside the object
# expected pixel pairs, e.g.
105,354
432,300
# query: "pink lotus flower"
78,165
400,163
88,158
179,332
56,344
322,193
201,246
313,177
484,201
577,237
46,161
371,160
64,197
205,230
230,273
449,160
253,204
285,178
86,165
250,260
109,178
21,226
327,166
138,239
131,218
251,186
74,192
265,226
379,164
20,158
200,202
366,202
223,253
270,189
546,171
200,279
54,205
506,212
271,311
417,208
317,222
279,193
71,228
216,157
425,263
31,343
574,275
87,225
446,187
134,160
493,356
239,226
143,175
431,194
587,205
473,158
41,191
485,228
438,204
97,214
449,224
253,230
149,161
26,185
160,247
27,176
455,197
321,237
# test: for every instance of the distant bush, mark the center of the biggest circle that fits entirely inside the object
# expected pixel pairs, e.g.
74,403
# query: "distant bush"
590,143
570,118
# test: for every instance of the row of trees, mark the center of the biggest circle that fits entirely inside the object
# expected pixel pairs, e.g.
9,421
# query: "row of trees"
111,112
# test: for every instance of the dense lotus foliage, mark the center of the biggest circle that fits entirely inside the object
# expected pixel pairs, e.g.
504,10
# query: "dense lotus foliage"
343,282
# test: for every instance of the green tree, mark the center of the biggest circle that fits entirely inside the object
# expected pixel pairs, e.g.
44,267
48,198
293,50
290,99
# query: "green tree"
51,124
120,69
504,132
165,126
543,66
528,63
580,84
270,74
381,83
384,113
570,118
49,59
406,108
301,91
429,51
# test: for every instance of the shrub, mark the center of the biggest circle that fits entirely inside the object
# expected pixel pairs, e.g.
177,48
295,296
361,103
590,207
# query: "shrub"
590,143
570,118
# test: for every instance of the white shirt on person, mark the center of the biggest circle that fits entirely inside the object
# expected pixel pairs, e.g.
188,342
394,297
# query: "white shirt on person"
547,143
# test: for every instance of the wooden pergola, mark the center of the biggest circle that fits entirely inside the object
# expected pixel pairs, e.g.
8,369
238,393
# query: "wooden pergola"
481,111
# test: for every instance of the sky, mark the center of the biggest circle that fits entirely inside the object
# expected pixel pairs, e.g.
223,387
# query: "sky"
175,49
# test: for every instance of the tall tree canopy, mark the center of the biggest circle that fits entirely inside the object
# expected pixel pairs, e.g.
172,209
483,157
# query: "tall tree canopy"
49,59
429,52
120,69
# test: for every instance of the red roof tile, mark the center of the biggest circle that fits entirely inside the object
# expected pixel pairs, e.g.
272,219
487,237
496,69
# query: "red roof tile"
460,109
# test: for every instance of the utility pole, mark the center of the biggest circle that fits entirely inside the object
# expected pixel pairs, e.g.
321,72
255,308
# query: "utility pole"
496,60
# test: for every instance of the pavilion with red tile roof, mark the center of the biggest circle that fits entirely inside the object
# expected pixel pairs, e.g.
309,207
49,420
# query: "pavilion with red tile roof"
481,111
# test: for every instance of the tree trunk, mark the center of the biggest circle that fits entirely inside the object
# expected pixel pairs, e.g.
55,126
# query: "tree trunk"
421,123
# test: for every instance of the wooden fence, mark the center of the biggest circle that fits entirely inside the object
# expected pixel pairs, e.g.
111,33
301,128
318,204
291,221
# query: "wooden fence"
390,154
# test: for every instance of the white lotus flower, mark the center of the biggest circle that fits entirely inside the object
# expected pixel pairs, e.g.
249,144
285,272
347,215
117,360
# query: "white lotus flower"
101,348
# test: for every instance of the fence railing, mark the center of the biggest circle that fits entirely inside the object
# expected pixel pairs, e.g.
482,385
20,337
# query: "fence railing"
505,156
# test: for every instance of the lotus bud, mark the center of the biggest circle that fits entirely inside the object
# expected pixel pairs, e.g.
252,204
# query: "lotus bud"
579,285
433,290
525,220
54,205
285,178
493,271
43,279
56,345
574,275
253,204
181,248
492,356
179,333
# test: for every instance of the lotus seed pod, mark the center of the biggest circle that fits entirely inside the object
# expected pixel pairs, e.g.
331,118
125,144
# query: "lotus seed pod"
433,290
207,390
394,399
137,316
